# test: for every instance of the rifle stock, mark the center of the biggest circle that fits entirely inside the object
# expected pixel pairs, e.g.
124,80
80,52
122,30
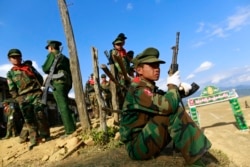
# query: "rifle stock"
109,74
174,67
118,59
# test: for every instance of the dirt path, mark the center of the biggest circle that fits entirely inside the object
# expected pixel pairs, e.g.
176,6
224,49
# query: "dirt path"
219,125
217,121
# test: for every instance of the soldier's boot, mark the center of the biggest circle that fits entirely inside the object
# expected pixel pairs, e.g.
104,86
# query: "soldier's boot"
14,132
8,135
198,163
32,135
23,137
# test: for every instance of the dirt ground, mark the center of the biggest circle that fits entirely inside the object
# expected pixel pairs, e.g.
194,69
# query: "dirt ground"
230,146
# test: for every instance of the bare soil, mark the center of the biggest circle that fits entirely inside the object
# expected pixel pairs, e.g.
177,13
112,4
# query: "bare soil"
230,146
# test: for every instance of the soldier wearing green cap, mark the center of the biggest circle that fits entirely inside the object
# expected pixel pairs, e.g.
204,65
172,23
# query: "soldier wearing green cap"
89,87
61,85
150,118
119,51
24,84
9,112
106,93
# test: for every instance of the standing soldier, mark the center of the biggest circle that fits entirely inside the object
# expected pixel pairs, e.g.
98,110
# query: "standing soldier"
105,87
150,119
61,85
92,96
25,87
9,112
129,57
118,51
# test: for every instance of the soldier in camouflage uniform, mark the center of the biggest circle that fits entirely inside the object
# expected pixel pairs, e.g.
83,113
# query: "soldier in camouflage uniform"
9,112
61,85
119,51
92,96
25,87
150,119
105,87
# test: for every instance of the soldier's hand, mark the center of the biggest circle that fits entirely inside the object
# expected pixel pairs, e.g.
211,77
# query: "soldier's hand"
185,87
174,79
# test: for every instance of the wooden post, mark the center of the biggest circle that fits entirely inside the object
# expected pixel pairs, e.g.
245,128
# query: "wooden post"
113,89
74,67
101,103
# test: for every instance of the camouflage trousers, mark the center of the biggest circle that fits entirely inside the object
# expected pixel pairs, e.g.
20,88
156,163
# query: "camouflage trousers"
35,118
94,104
160,130
11,127
60,94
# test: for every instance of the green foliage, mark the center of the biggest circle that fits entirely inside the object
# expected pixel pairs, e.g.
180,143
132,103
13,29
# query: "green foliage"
101,137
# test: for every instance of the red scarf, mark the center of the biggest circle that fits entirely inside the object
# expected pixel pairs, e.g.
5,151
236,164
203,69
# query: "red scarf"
25,69
91,81
136,79
122,52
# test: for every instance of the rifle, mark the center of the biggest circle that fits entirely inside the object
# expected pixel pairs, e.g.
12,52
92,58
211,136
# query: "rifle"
174,68
110,61
118,59
51,76
109,74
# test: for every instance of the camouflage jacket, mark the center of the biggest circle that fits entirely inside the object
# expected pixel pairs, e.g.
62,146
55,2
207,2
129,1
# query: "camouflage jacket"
105,87
89,87
125,61
141,103
22,80
63,66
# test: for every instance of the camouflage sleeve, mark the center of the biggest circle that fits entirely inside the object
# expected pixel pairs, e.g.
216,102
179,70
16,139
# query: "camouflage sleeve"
115,53
48,63
11,85
155,103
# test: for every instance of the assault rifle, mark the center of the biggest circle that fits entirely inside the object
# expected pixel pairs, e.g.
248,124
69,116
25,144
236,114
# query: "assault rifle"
174,68
51,76
110,61
109,74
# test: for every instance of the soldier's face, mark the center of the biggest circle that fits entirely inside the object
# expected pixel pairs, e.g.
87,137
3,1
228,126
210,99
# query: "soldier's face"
119,46
150,71
15,60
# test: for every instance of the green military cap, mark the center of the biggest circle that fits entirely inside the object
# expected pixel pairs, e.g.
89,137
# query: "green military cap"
14,52
122,36
53,43
28,62
118,40
130,54
149,55
103,76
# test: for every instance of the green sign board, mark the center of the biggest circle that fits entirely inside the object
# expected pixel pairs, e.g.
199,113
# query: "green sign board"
212,95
